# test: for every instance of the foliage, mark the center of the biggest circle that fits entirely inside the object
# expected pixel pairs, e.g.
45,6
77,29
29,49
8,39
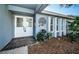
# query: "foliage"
74,30
49,35
41,35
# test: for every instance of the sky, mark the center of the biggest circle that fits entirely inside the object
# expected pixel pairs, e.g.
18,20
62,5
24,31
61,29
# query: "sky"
73,10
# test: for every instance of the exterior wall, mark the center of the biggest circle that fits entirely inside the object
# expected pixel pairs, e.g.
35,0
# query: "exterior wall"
37,27
6,27
61,25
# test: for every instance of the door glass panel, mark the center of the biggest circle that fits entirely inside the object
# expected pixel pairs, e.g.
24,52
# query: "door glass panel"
57,24
62,24
51,24
51,27
19,22
29,22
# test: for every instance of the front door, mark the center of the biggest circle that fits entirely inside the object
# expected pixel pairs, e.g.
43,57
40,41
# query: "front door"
23,26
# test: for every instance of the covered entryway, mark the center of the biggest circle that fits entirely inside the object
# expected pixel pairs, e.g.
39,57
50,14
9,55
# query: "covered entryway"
23,26
8,30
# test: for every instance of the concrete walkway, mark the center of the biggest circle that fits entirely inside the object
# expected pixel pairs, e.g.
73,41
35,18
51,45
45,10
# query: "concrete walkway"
20,50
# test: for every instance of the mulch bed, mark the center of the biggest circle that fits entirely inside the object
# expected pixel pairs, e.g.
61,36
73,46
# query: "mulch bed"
18,42
55,46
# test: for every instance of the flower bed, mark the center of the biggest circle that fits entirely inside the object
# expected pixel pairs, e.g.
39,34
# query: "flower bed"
54,46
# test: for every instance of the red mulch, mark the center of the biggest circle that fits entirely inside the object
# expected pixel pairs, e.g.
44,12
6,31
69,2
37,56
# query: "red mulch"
55,46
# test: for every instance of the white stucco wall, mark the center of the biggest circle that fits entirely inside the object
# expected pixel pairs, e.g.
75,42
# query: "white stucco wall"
6,29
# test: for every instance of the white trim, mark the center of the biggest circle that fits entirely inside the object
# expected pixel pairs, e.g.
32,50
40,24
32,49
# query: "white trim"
61,26
56,14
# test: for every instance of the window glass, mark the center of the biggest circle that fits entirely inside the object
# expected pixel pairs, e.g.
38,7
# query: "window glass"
19,22
62,23
52,20
51,24
57,24
29,22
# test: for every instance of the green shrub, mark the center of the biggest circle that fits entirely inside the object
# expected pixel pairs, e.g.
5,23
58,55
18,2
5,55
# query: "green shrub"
49,35
43,35
74,28
40,36
73,37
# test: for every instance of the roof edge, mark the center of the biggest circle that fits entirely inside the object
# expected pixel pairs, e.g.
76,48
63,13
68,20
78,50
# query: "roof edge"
57,14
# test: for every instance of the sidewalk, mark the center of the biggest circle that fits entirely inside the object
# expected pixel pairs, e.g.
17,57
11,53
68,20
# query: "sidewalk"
20,50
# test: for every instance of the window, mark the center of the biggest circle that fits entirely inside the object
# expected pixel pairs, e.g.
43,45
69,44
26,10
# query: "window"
19,22
51,24
29,22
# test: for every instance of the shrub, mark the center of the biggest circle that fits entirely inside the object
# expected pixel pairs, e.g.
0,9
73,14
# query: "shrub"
71,37
74,28
49,35
41,35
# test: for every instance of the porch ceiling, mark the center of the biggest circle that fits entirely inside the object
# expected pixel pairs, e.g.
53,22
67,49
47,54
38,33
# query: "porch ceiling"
29,6
35,7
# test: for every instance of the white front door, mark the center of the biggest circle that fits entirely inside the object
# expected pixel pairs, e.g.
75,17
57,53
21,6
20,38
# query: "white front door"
23,26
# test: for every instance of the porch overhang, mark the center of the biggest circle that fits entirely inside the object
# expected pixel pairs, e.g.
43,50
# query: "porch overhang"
40,7
27,8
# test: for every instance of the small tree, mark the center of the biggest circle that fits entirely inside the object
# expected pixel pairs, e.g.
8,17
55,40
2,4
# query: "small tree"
74,30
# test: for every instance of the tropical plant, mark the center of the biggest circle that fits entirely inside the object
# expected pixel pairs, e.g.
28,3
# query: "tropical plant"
74,30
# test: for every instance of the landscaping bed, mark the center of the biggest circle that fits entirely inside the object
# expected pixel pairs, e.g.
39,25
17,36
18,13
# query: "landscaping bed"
19,42
55,46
